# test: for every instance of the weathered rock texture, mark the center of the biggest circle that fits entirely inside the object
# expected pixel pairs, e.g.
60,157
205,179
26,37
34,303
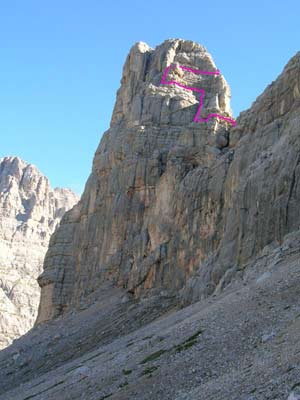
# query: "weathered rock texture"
151,209
29,213
261,192
167,206
241,344
173,212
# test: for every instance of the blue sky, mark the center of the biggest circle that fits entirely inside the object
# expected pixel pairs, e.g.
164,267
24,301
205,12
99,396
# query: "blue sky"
61,63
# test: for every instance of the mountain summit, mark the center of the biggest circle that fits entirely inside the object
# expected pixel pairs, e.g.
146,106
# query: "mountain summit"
176,276
151,210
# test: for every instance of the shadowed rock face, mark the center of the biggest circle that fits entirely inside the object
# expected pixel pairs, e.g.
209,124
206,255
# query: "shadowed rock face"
169,205
29,213
261,191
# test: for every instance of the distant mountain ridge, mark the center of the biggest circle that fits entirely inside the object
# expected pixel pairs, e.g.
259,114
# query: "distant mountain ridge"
30,210
177,274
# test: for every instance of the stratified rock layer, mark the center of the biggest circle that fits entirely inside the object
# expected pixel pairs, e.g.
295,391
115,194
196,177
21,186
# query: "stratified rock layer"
151,208
175,208
170,205
29,213
261,192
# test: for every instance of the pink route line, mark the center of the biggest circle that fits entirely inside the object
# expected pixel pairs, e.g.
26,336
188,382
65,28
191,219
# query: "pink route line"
197,117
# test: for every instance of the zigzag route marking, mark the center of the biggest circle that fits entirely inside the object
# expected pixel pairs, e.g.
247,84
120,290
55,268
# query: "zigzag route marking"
197,117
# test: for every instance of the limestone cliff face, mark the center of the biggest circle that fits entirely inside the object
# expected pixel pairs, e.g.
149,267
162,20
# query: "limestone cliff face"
175,207
139,222
172,205
261,192
29,213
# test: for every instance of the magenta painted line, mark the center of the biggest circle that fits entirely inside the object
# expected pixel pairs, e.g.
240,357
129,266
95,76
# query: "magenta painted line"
197,71
163,78
197,117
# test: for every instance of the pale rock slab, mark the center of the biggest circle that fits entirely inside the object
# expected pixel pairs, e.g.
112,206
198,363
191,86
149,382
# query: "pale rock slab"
30,211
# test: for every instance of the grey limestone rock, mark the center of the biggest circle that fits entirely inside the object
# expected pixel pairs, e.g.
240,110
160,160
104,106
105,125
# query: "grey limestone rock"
152,205
175,212
29,213
171,204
